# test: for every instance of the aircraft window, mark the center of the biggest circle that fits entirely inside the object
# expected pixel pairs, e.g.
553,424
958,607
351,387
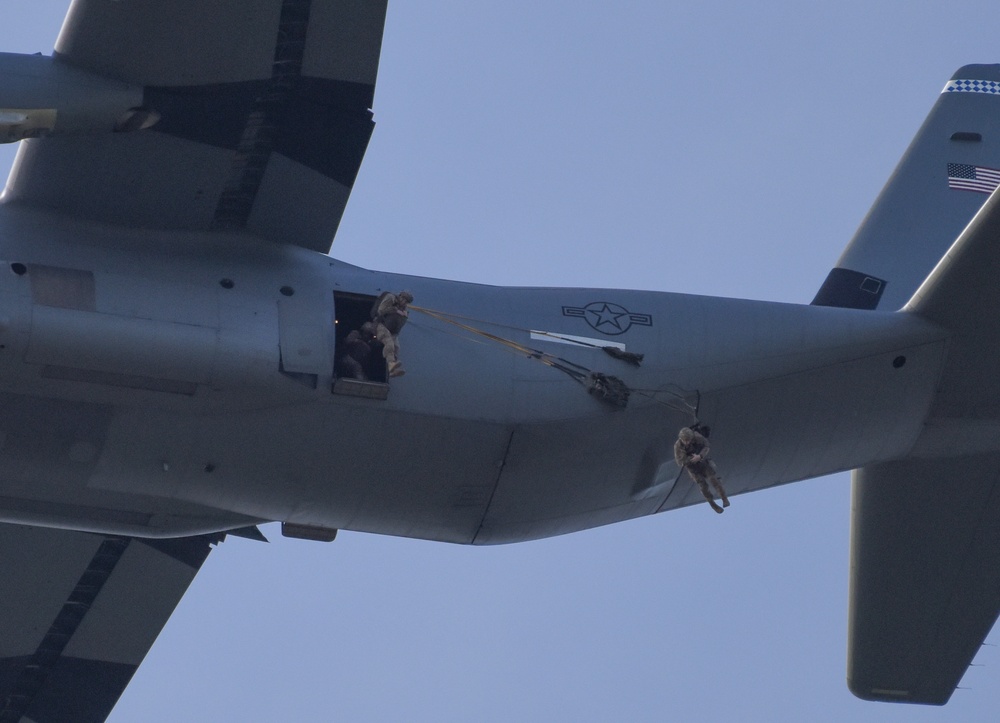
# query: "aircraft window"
357,374
19,269
966,136
286,290
226,283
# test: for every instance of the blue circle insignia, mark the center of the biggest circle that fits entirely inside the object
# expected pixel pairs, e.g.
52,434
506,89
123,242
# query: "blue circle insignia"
608,318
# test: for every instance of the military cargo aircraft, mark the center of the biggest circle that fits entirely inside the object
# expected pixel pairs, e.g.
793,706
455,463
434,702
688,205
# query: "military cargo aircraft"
174,337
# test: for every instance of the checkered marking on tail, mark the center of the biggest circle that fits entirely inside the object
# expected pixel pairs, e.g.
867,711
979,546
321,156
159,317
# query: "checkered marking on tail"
972,86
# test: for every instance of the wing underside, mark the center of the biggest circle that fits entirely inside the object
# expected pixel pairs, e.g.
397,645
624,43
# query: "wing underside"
78,613
263,111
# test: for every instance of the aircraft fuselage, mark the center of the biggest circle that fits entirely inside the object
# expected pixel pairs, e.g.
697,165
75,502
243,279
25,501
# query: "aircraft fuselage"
164,384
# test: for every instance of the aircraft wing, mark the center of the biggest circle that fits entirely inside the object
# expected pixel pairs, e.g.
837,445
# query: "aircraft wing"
264,116
78,613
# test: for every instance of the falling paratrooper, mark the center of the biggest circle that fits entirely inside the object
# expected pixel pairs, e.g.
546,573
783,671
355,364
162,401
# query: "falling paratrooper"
691,452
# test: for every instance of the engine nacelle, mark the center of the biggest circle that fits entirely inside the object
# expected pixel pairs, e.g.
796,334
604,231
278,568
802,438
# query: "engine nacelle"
43,96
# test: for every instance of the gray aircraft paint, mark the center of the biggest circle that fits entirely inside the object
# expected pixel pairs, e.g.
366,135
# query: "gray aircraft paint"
172,375
918,215
64,351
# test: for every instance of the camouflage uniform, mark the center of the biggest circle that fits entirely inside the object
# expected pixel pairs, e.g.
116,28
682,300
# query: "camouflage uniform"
356,353
390,317
689,445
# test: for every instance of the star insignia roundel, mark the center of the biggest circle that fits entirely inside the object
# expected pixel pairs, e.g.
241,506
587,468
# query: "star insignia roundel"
608,318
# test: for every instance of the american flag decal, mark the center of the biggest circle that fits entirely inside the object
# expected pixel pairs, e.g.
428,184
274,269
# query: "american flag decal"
965,177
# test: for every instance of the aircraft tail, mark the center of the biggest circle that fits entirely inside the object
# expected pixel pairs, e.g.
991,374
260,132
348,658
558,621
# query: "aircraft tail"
946,174
925,530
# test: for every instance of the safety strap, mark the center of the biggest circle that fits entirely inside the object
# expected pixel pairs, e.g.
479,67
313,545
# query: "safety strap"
605,387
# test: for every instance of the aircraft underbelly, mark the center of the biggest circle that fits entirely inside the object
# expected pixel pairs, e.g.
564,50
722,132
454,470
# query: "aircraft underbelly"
194,391
169,463
160,473
315,465
824,408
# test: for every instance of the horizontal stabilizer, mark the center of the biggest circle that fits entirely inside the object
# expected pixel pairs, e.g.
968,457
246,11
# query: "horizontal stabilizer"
964,280
962,296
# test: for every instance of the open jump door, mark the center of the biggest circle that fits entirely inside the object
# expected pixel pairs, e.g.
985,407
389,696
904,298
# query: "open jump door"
359,367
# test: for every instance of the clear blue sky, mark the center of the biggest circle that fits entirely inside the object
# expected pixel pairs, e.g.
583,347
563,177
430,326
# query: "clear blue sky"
716,147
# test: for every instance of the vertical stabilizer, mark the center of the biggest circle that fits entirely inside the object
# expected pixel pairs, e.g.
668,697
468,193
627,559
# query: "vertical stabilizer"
943,179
